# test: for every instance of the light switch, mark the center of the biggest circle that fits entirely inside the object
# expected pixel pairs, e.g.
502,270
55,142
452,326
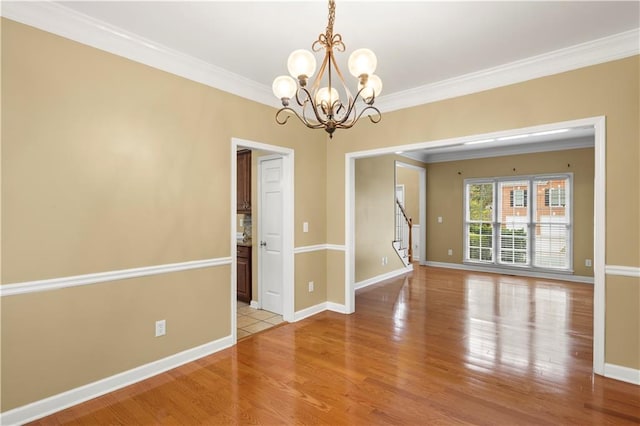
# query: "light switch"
305,227
439,219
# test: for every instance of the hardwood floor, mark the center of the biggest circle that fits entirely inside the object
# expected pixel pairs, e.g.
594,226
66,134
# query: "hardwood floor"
437,347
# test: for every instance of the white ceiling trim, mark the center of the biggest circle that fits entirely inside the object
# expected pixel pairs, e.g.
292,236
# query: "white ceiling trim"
501,151
598,51
65,22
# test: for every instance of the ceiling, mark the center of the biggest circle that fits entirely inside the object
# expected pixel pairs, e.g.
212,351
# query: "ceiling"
416,42
420,45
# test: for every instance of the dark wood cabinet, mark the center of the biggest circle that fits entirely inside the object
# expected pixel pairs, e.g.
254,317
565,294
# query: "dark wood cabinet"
244,182
244,274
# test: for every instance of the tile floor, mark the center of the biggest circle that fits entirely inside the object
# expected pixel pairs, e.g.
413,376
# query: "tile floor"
252,320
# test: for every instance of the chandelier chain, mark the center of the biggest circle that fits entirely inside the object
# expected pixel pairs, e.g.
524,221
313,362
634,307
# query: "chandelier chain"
332,19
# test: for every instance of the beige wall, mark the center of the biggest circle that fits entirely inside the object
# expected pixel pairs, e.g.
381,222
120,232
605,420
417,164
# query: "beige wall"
108,164
375,217
610,89
57,340
445,196
310,266
375,180
623,322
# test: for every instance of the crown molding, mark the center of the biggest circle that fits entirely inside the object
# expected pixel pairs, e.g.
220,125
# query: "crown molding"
555,145
65,22
617,46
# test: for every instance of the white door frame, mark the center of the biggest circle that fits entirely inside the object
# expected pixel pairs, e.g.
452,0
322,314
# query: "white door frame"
599,247
287,155
422,209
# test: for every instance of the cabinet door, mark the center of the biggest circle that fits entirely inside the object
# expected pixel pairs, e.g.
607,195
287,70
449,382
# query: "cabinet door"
244,182
244,274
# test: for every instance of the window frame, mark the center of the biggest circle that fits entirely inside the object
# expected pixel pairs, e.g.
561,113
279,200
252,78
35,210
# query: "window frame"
531,206
467,222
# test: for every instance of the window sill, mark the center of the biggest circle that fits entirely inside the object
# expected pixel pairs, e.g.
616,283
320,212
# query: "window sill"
502,268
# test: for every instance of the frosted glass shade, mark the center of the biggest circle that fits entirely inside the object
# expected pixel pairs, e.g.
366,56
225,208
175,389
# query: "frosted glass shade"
362,61
373,86
326,97
301,62
284,87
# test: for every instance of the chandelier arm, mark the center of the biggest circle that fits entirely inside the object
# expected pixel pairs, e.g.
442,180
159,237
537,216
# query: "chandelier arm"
321,122
308,100
292,111
341,77
304,101
316,82
374,119
369,101
353,108
350,113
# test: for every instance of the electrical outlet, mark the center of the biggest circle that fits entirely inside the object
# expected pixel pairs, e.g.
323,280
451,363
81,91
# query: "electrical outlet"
310,286
305,227
161,328
587,263
382,261
450,252
439,219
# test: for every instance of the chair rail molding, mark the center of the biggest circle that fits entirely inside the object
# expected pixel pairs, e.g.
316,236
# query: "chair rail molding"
14,289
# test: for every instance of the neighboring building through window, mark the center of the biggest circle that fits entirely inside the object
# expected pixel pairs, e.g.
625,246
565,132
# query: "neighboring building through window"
554,197
522,221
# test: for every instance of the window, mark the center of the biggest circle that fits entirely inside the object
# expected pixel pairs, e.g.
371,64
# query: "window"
554,197
552,223
518,198
523,222
479,227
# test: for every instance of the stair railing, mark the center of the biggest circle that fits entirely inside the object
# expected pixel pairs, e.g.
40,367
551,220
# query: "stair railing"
403,229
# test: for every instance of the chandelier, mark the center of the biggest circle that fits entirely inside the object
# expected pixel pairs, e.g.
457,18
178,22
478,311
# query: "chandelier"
322,107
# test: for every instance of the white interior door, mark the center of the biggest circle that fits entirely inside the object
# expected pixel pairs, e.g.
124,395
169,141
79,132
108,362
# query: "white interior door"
415,240
270,257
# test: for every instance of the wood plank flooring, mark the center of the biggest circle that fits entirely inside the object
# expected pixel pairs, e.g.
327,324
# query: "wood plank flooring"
437,347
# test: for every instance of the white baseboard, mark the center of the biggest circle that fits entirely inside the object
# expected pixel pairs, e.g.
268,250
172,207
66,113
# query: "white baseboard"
55,403
508,271
621,373
379,278
320,307
336,307
307,312
254,304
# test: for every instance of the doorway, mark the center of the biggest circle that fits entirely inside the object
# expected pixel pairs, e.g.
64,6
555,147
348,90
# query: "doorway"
598,126
413,180
255,312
